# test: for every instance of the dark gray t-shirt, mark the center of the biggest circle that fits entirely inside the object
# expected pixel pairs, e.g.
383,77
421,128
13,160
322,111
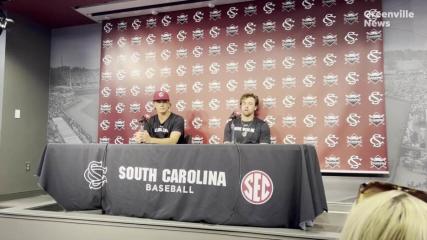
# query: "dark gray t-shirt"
173,123
255,131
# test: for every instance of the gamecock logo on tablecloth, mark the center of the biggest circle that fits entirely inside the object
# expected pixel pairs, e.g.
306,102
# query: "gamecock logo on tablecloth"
257,187
95,175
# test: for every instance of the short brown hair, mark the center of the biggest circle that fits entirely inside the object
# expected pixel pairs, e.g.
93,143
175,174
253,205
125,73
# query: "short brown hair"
249,95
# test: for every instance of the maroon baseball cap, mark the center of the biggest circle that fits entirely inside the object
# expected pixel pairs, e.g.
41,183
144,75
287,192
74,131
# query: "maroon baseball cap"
161,96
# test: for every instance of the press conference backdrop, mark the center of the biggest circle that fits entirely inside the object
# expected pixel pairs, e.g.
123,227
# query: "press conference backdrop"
317,68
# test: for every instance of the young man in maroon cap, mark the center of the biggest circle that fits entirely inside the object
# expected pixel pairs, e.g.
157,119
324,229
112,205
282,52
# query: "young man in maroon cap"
165,127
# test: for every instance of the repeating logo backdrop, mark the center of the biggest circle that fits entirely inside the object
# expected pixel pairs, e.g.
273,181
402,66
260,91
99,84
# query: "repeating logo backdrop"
317,70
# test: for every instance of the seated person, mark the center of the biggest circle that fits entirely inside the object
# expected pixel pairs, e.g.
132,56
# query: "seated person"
382,213
165,127
247,128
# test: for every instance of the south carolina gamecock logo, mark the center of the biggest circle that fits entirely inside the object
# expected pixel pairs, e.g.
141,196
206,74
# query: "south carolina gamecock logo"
257,187
95,175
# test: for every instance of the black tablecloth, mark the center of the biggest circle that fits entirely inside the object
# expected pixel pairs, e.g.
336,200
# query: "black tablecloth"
198,183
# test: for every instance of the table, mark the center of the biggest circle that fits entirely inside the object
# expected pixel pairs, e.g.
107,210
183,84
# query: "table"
236,184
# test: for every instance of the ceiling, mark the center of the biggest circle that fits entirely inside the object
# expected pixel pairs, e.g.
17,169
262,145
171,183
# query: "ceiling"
51,13
65,13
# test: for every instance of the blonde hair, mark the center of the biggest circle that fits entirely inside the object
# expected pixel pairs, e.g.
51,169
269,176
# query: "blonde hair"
390,215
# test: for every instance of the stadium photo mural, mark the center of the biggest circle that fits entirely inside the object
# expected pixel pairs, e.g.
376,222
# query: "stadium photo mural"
317,69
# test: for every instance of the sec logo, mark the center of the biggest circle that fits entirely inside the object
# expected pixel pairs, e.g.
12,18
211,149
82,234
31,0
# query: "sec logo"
257,187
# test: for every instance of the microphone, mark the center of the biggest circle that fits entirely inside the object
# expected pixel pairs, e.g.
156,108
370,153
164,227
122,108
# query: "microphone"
143,121
234,115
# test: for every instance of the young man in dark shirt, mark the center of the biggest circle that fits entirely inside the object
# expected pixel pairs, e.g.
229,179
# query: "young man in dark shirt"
165,127
247,128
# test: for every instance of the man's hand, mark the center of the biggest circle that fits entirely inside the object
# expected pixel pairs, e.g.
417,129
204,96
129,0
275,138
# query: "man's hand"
146,137
142,137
